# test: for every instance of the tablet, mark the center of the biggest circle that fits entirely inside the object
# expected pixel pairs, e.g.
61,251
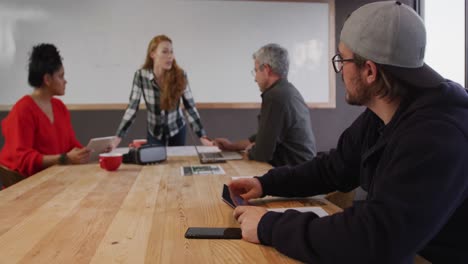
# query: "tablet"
99,145
226,197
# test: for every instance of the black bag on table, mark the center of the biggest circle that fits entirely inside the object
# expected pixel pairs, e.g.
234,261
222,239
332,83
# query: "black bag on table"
146,154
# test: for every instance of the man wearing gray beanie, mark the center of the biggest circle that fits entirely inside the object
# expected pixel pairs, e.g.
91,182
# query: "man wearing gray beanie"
408,150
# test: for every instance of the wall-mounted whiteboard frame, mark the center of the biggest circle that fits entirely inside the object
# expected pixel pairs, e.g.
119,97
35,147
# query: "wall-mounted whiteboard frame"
104,43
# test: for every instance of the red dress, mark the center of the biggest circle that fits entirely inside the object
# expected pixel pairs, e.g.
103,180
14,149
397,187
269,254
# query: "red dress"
29,135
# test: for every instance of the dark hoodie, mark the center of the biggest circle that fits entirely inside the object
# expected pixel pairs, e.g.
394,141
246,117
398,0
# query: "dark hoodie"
415,170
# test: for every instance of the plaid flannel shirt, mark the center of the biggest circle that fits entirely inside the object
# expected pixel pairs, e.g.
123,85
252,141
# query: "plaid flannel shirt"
160,122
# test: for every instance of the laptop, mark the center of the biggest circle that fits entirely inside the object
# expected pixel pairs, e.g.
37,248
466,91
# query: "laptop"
214,157
217,157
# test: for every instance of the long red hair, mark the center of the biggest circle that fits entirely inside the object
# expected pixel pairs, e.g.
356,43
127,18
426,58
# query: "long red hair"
174,80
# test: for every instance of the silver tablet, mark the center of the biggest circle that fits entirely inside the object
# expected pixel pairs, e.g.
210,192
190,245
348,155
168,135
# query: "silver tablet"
99,145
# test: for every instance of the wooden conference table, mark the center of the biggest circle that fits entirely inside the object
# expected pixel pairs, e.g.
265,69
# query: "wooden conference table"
138,214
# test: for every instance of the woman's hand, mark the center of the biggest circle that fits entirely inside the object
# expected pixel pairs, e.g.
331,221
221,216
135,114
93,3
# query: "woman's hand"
116,142
78,156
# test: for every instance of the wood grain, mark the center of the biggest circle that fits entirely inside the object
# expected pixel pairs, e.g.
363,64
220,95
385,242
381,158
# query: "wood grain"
138,214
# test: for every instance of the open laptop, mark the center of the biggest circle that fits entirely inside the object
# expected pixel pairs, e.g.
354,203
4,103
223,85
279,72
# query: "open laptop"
217,157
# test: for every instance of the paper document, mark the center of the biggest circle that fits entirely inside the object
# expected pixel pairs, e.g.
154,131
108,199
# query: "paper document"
201,169
314,209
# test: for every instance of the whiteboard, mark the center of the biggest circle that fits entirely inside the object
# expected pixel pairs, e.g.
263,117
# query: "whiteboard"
104,42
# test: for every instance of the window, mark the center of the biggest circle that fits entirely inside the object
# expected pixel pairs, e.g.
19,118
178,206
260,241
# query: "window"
445,26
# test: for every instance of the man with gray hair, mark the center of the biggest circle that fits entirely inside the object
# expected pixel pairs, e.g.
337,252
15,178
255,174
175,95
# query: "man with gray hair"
408,150
284,135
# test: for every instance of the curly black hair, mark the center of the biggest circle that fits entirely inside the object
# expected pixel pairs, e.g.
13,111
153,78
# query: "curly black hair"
44,59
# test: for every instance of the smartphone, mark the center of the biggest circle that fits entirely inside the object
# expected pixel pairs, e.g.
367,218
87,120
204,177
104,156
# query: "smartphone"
213,233
226,196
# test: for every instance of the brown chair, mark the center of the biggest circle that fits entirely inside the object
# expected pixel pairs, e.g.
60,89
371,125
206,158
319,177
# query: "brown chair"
8,177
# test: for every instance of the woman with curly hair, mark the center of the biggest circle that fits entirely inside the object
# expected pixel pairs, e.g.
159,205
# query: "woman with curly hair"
163,85
38,131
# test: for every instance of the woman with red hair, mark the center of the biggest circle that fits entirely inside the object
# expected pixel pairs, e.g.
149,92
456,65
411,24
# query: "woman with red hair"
163,85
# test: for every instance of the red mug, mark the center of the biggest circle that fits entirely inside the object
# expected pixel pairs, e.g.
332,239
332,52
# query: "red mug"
110,161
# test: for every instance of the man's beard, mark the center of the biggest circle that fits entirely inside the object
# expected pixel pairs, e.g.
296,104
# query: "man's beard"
362,94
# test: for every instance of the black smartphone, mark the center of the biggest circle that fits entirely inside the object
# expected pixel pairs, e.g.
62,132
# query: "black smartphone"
226,196
214,233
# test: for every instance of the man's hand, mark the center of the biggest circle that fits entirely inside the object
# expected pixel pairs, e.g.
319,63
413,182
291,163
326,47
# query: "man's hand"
249,147
246,188
248,218
223,143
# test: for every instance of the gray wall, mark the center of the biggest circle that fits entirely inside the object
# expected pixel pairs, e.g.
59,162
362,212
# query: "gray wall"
327,124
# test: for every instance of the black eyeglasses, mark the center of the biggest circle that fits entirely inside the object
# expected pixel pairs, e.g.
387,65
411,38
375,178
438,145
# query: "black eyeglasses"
337,62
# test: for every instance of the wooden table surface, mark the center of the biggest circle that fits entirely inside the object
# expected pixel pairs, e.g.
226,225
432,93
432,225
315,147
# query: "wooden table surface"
138,214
